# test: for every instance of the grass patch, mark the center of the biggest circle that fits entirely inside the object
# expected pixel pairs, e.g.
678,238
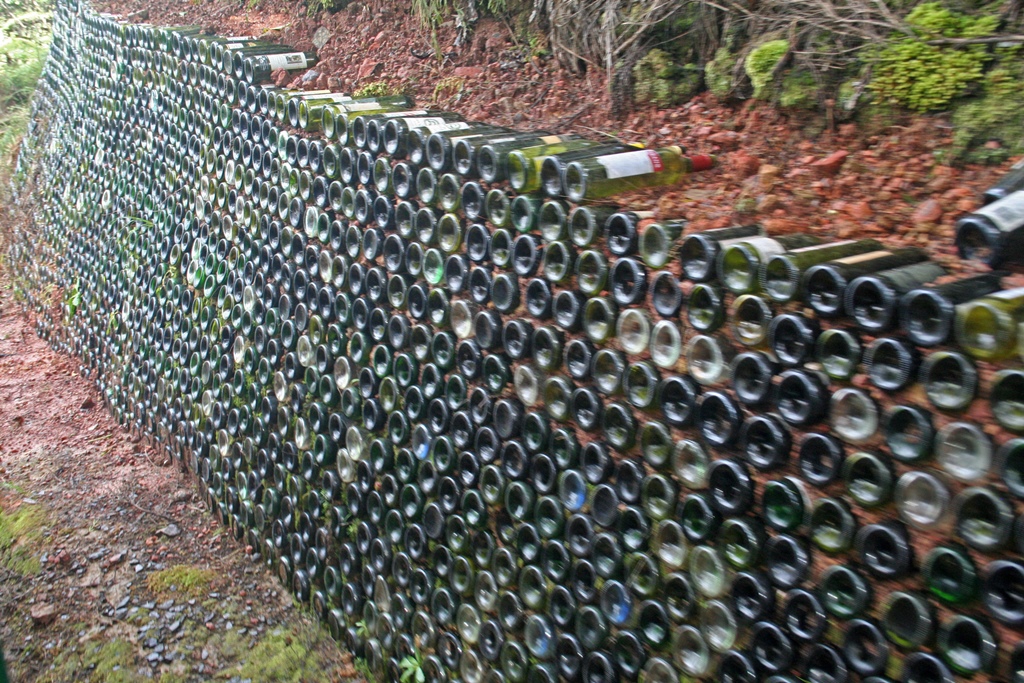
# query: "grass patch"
20,531
183,579
24,43
377,89
279,656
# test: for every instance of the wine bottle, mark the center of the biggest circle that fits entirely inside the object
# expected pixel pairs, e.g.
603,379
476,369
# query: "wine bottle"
986,328
780,274
699,251
739,263
994,233
871,300
926,315
1011,182
524,165
610,174
257,68
950,380
824,284
491,156
1006,398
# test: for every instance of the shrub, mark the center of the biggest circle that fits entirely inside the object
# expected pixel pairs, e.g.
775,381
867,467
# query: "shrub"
376,89
799,90
761,62
718,73
658,79
925,77
997,115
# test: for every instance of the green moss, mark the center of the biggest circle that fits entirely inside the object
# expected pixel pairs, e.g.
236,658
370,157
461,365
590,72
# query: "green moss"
183,579
996,115
658,79
761,62
798,90
280,657
20,533
925,77
111,662
718,73
376,89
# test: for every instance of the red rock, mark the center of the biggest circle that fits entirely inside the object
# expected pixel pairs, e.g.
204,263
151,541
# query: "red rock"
703,131
321,82
43,614
469,71
369,69
831,164
745,164
279,77
928,211
861,210
726,137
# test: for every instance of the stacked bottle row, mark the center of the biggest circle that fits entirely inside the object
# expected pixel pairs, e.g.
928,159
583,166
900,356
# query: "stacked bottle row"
514,437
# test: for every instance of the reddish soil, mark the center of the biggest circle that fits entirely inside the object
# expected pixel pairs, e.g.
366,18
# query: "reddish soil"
76,586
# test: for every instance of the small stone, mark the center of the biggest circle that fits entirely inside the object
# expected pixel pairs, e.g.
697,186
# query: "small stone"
469,71
928,211
43,614
321,36
310,76
746,165
171,530
370,69
174,626
87,404
726,137
767,175
831,164
861,210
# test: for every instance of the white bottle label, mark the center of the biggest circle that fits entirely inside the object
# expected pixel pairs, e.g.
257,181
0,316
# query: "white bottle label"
441,127
397,114
352,107
628,164
1007,214
287,60
1007,294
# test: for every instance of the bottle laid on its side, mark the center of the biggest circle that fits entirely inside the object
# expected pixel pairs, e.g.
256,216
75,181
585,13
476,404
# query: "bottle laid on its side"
994,233
926,314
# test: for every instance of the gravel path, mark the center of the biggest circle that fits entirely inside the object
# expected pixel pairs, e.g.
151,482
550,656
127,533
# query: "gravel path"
111,569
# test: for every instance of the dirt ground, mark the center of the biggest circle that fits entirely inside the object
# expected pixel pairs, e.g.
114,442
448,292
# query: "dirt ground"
111,569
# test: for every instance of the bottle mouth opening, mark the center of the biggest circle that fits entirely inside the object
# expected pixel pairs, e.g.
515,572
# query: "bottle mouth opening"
975,243
738,269
781,279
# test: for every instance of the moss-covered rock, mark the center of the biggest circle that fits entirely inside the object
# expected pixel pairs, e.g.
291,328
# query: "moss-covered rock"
996,115
924,77
798,90
657,78
761,63
718,73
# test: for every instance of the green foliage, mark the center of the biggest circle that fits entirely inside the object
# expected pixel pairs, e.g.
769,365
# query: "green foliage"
314,6
21,61
376,89
658,79
925,77
181,578
761,62
412,669
20,533
431,12
798,90
997,115
718,73
280,656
